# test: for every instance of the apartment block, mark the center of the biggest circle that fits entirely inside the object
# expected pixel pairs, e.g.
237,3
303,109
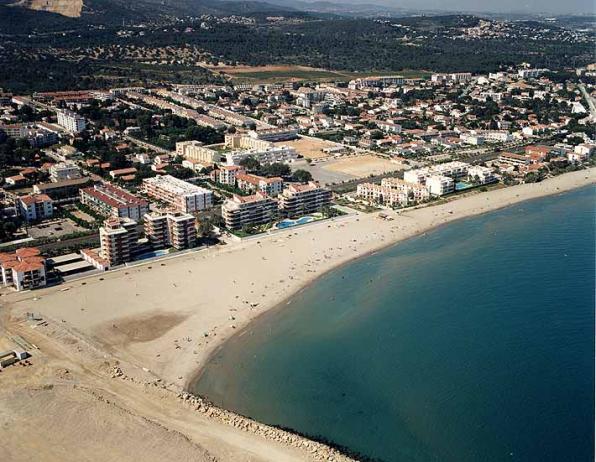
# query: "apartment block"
64,171
226,174
35,207
255,183
24,269
181,195
439,185
170,229
111,200
118,240
241,211
71,121
393,192
302,199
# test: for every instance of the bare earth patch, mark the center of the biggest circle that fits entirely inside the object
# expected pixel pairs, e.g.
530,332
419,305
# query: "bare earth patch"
362,166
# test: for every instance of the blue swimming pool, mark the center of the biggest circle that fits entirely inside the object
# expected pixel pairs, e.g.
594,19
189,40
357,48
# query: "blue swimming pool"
153,254
287,223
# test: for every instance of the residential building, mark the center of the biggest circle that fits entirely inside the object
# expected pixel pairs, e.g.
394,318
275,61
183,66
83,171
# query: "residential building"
226,174
194,150
71,121
513,159
111,200
439,185
24,269
63,191
240,211
393,192
249,182
482,175
170,229
118,240
64,171
34,207
302,199
183,196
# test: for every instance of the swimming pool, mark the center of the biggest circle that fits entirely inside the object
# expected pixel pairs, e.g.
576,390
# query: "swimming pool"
153,254
287,223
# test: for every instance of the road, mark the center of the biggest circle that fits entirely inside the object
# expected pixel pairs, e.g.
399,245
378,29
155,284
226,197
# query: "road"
589,100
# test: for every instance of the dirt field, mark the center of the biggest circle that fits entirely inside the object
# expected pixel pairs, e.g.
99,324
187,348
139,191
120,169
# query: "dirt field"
361,166
310,148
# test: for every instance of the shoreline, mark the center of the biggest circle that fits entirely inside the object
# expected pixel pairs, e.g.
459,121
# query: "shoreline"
194,378
163,321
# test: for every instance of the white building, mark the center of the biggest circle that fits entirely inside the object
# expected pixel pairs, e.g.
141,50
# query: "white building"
440,185
393,192
71,121
301,199
483,175
35,207
64,171
170,229
183,196
240,211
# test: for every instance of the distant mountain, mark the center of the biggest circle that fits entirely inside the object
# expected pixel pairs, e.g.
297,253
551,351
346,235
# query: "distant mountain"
26,15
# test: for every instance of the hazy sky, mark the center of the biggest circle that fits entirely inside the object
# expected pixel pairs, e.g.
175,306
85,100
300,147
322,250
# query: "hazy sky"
500,6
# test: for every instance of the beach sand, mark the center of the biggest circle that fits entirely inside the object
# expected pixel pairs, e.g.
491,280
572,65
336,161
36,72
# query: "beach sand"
165,318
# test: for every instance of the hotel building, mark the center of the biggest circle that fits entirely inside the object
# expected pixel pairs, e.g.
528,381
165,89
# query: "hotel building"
111,200
257,209
301,199
184,197
171,229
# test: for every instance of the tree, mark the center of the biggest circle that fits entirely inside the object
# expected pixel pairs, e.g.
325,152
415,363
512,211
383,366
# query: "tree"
302,176
276,169
251,164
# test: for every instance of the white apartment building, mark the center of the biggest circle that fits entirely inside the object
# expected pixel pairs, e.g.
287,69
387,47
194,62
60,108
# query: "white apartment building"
170,229
226,174
71,121
483,175
440,185
35,207
194,150
302,199
183,196
240,211
453,169
393,192
530,73
64,171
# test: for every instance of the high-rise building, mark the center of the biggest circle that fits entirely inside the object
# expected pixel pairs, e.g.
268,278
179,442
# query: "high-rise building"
71,121
301,199
240,211
118,240
171,229
183,196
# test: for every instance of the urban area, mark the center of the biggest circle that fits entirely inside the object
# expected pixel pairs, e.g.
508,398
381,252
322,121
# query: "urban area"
96,180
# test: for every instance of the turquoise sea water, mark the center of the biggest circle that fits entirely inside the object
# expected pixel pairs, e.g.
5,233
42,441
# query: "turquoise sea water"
474,342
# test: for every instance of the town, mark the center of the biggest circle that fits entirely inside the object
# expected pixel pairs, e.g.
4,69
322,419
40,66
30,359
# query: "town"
94,180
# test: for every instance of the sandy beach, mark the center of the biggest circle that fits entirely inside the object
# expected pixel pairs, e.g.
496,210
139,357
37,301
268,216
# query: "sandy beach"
165,318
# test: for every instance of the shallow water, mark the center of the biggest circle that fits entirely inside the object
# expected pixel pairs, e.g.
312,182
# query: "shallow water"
474,342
